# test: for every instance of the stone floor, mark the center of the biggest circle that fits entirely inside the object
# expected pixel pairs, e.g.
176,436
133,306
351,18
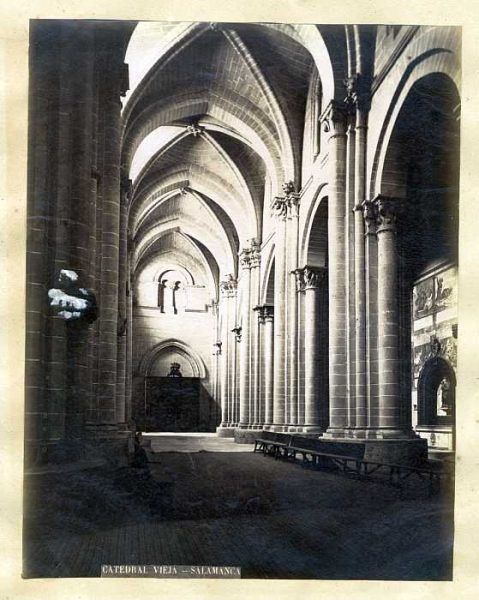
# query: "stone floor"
230,506
192,442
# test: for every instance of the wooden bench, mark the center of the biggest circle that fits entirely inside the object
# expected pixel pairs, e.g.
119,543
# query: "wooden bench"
325,453
399,473
271,442
346,456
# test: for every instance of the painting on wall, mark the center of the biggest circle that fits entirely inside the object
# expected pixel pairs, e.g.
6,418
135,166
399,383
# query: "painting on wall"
434,294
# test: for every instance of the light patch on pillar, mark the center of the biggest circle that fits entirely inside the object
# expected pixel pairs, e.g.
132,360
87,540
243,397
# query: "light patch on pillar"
73,275
60,298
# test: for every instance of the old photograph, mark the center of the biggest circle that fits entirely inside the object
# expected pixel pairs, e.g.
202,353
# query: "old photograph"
241,300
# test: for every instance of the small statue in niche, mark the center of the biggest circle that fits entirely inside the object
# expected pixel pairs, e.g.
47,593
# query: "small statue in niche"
444,398
175,370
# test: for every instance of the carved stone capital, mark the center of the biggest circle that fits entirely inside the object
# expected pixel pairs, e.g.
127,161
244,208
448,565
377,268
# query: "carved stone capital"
387,211
265,312
358,92
255,259
229,287
287,205
313,276
333,119
245,258
299,278
370,216
293,201
309,277
279,207
250,256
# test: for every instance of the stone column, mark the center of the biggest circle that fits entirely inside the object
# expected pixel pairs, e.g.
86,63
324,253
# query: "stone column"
312,278
245,358
266,317
75,186
279,209
334,123
123,324
255,262
371,309
107,371
235,409
129,346
228,293
358,94
301,351
388,319
293,200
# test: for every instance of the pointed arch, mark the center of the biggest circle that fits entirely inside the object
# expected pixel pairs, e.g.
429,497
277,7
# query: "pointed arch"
194,359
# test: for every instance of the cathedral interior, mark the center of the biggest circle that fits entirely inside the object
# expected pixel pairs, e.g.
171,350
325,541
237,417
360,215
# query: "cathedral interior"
233,229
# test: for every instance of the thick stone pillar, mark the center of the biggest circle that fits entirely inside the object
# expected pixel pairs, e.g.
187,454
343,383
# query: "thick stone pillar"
334,124
389,424
266,317
108,350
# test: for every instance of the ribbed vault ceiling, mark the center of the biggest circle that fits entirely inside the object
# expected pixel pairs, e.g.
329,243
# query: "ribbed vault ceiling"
212,128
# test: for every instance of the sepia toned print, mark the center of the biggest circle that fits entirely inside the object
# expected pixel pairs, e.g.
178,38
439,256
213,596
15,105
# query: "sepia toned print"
241,299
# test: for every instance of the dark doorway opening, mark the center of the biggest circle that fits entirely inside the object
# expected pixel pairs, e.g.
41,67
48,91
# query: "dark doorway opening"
177,404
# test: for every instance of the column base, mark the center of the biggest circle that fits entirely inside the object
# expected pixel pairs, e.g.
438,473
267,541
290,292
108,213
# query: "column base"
336,432
225,431
100,445
312,429
406,451
389,433
245,436
278,428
